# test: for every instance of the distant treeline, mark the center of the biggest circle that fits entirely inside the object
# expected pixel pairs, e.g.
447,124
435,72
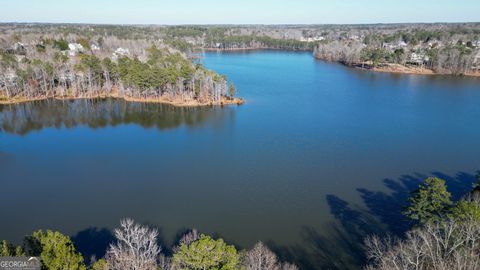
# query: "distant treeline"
257,42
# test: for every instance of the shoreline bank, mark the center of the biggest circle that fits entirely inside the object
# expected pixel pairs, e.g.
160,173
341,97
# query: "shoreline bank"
400,69
161,100
252,49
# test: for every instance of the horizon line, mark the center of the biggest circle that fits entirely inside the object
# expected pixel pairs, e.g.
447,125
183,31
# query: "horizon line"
236,24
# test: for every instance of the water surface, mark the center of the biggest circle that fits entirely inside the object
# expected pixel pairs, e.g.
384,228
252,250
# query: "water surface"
319,156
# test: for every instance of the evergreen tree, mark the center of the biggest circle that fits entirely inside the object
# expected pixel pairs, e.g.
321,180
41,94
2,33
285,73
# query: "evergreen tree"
7,249
430,202
465,211
206,253
58,251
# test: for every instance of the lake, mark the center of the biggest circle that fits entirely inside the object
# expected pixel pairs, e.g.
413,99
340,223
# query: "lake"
320,156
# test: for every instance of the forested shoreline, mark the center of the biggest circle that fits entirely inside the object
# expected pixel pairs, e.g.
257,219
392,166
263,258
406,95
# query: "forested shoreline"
437,48
37,66
154,63
444,234
449,50
136,247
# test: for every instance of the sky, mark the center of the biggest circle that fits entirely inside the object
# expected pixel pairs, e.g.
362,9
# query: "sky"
239,11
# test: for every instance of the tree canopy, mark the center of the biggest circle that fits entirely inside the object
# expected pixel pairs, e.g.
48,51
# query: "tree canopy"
206,253
429,202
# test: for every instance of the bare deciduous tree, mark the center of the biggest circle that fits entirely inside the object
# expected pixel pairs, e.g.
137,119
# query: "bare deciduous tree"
261,258
443,246
136,247
189,237
288,266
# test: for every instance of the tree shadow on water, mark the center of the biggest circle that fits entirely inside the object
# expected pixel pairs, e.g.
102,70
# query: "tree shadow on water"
93,242
337,245
387,206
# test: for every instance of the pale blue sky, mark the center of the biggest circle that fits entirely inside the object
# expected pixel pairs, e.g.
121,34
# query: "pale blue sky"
239,11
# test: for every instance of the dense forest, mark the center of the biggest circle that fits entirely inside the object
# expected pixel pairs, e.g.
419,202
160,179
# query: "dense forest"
54,65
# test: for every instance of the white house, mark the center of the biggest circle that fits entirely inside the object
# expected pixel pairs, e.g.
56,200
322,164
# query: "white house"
311,39
402,44
418,58
354,37
18,48
394,46
75,48
94,46
120,52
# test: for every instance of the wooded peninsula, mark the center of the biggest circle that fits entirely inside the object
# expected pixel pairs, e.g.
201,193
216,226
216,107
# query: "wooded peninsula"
58,63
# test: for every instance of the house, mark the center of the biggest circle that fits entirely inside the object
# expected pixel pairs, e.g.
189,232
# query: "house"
311,39
402,44
394,46
418,58
120,52
18,48
75,48
94,46
354,37
388,46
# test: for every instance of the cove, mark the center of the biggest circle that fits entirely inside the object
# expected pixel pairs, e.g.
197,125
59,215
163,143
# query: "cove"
318,157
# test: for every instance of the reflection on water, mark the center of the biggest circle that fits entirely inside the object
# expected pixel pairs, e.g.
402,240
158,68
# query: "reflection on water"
5,158
26,117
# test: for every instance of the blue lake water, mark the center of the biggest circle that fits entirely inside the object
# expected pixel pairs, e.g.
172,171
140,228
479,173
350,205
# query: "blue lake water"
318,157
